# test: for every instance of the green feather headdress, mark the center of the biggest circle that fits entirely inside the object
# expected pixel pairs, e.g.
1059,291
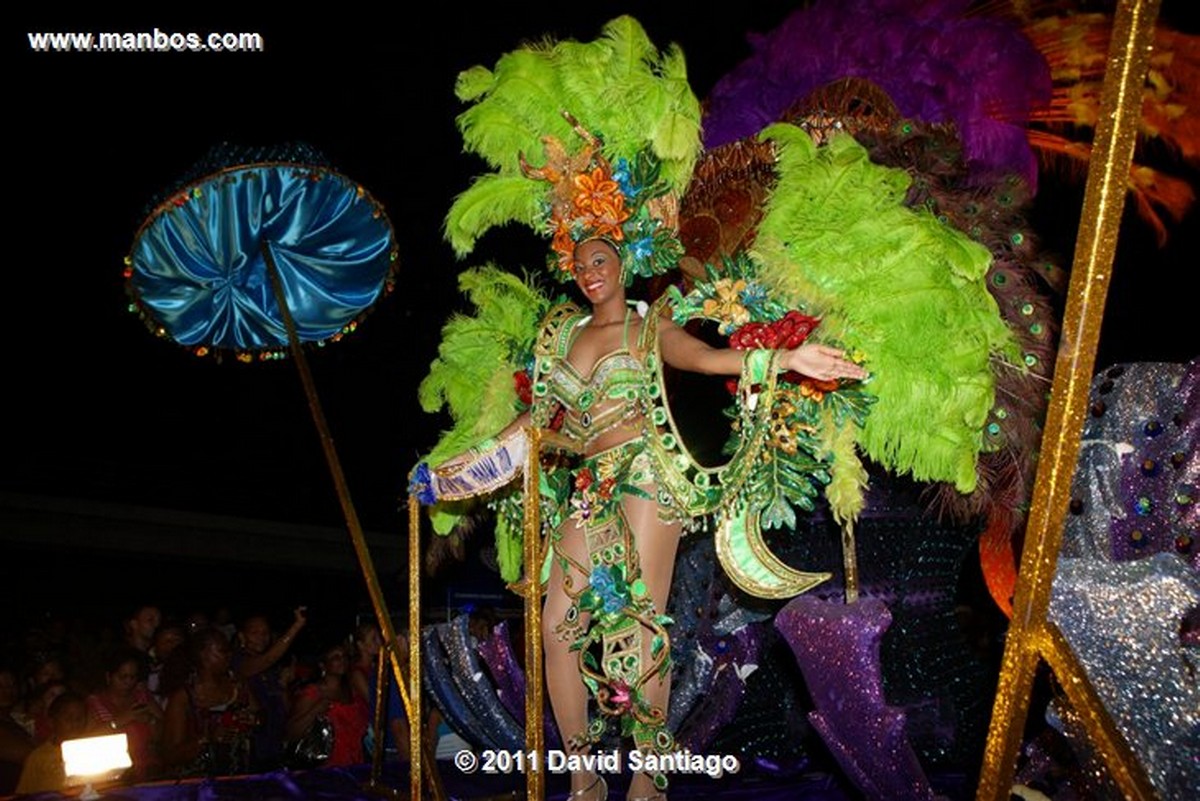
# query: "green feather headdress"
616,104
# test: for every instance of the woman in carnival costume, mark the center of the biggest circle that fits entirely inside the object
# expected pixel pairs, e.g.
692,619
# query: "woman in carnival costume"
619,129
613,545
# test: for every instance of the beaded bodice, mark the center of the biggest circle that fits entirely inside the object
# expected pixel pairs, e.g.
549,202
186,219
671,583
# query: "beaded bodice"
604,399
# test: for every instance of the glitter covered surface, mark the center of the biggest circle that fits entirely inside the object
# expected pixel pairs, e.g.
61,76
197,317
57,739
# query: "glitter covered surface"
771,728
736,658
715,644
1122,621
439,684
501,662
498,656
837,646
461,689
1124,583
913,563
1135,488
473,684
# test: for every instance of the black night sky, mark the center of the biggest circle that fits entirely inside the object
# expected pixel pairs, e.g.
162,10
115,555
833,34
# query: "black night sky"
98,409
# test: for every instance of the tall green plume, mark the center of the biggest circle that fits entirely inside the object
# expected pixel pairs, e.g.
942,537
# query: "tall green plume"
491,201
473,372
846,490
619,87
898,286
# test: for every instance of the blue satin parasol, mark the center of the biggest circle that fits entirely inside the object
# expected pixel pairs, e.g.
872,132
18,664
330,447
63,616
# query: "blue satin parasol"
199,268
265,251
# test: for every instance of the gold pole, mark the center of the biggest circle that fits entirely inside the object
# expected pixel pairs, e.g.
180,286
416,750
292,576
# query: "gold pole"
850,561
415,740
1113,748
535,786
1104,199
381,688
421,761
374,785
339,481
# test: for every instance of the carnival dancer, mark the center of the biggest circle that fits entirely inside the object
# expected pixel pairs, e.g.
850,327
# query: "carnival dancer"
618,129
617,534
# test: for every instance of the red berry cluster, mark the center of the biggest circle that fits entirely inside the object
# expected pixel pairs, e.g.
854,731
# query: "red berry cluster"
786,333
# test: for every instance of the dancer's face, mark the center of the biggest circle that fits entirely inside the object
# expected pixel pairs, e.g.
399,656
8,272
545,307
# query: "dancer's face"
598,271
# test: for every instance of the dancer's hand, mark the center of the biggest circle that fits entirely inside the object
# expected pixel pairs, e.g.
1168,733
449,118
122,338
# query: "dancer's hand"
822,362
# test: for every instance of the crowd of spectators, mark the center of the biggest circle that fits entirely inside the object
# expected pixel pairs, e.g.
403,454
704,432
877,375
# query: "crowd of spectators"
194,695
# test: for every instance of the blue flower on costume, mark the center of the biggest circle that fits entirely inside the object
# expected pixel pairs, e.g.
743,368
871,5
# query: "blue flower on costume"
624,178
642,249
639,253
610,587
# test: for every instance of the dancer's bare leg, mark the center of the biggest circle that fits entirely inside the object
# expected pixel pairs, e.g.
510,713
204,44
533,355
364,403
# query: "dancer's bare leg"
656,544
568,694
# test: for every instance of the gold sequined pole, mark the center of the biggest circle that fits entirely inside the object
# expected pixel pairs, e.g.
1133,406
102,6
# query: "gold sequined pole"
412,702
366,565
1104,199
421,762
850,561
1122,763
380,720
535,784
381,687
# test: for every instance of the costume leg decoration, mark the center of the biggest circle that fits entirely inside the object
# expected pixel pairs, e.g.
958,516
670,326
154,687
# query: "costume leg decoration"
623,647
560,622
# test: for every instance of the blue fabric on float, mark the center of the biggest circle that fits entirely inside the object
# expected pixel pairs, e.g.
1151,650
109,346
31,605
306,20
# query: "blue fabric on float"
198,268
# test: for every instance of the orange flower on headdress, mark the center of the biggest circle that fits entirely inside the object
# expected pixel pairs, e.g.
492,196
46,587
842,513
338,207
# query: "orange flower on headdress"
599,195
564,246
600,200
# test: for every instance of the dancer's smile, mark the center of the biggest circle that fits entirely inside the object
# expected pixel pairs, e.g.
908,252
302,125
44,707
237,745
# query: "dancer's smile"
597,270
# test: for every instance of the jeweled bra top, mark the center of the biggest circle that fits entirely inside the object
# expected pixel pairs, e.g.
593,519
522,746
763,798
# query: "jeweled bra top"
603,400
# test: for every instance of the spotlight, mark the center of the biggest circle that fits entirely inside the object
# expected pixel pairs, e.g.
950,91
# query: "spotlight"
91,760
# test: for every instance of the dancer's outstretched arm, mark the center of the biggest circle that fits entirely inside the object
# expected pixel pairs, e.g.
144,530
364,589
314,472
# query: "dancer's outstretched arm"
683,351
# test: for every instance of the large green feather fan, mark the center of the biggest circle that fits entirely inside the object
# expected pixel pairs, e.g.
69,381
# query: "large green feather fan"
473,372
901,288
619,87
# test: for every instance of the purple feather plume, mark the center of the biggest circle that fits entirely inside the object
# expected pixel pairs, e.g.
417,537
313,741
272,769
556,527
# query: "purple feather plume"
937,64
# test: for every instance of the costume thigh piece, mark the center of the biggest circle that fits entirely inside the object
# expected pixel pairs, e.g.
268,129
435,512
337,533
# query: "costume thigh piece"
620,612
